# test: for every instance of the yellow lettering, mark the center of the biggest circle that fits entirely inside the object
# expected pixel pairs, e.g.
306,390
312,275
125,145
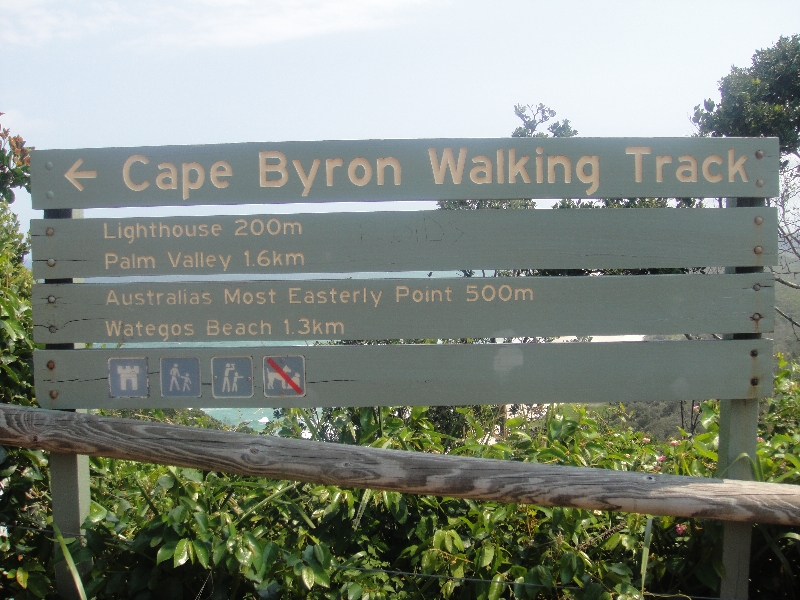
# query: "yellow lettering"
168,172
126,173
353,166
220,169
516,167
389,162
552,161
660,162
448,162
593,177
330,165
306,180
736,166
638,152
484,167
712,160
687,170
188,184
264,168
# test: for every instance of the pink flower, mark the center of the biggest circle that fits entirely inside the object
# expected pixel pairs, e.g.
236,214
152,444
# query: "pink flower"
646,440
661,458
696,408
674,443
759,439
681,529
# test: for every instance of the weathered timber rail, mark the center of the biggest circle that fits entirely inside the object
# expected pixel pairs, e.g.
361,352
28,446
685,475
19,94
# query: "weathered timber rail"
401,471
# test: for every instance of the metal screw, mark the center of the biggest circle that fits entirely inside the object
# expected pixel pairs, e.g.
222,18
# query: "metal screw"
757,287
48,165
759,154
50,195
51,364
754,381
758,220
753,353
52,329
756,317
759,183
51,262
757,250
49,231
54,394
51,299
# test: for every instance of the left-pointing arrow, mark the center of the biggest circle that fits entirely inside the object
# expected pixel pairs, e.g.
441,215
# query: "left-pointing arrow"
73,175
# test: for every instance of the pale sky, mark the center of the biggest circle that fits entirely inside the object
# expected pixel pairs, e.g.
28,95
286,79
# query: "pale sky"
119,73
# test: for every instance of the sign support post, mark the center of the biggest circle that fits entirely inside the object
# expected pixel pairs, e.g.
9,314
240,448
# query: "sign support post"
69,473
738,429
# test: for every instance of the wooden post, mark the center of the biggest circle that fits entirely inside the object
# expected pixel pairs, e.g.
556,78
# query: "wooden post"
69,473
738,429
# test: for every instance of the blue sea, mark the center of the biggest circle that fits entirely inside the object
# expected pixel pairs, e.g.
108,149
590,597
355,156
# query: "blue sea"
235,416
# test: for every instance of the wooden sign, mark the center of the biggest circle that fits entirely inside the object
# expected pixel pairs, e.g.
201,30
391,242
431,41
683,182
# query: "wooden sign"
403,241
438,308
423,169
440,374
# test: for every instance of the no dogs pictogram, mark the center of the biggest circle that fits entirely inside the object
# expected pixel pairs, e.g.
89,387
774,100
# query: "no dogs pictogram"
284,376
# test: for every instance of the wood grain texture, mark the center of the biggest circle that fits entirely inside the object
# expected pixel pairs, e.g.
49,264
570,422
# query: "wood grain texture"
483,173
408,472
379,309
407,241
438,374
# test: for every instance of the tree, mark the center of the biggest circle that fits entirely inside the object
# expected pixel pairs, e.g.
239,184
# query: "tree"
764,100
15,164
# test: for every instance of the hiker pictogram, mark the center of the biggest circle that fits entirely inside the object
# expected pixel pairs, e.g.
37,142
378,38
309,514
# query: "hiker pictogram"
232,376
180,377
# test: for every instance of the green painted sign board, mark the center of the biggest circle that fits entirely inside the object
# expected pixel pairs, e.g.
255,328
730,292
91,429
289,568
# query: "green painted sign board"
440,374
439,308
440,240
419,169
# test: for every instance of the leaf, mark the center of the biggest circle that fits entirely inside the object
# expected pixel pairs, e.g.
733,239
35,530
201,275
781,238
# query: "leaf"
321,576
620,569
165,552
22,578
181,552
487,555
438,539
496,587
201,552
354,591
307,575
96,513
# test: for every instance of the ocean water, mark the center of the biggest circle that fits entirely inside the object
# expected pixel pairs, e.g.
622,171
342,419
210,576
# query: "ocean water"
235,416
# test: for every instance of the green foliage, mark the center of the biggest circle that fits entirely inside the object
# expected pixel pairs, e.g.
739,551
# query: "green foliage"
534,116
14,165
763,99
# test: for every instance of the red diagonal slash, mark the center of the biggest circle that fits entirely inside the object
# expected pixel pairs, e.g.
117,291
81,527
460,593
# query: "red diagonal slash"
284,376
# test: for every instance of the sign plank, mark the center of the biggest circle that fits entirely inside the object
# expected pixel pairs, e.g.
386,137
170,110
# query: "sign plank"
420,169
451,374
403,241
443,308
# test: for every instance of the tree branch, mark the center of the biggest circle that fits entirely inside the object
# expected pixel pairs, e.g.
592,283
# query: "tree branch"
787,283
790,319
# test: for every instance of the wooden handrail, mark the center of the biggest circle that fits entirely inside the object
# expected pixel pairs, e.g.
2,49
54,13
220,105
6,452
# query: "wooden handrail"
401,471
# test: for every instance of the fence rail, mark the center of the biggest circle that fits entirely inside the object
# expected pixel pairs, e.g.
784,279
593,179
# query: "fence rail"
400,471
